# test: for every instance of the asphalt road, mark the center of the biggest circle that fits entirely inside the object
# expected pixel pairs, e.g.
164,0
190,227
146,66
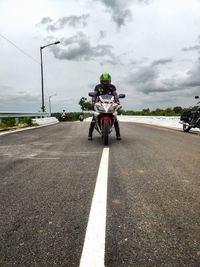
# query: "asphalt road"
47,181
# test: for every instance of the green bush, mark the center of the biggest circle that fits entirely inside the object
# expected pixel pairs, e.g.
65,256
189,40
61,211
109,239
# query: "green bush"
158,112
25,120
11,122
8,122
72,116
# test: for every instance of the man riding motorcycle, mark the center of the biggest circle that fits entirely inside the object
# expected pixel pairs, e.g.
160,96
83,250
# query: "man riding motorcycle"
104,88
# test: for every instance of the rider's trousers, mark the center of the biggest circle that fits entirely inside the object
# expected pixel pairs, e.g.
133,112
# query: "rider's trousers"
92,124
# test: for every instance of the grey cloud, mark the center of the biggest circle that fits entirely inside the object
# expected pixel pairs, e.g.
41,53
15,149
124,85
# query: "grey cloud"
110,61
153,89
119,9
187,93
191,48
102,34
140,62
191,83
143,75
162,88
147,80
162,61
73,21
78,47
188,83
45,20
20,101
121,16
193,78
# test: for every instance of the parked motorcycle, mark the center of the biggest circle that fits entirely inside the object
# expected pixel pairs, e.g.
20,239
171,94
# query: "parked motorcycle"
191,117
105,114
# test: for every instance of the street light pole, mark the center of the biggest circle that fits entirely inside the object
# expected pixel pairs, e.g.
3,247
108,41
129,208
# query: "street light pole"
50,103
42,79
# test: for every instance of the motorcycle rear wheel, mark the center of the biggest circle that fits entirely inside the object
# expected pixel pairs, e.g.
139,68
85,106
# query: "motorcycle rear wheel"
106,128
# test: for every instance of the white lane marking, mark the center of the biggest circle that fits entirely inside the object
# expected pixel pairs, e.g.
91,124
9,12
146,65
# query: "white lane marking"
94,246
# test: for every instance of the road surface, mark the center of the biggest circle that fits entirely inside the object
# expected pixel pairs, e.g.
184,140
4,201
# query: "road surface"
47,182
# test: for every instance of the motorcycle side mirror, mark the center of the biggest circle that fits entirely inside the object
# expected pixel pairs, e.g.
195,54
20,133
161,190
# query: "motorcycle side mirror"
196,96
92,94
122,95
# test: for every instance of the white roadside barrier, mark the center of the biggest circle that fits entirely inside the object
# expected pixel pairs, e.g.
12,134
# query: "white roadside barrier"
164,121
45,121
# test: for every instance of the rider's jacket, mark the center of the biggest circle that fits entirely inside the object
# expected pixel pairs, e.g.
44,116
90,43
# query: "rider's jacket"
105,90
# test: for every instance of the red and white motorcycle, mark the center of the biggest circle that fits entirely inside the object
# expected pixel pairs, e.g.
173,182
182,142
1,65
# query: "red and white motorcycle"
105,114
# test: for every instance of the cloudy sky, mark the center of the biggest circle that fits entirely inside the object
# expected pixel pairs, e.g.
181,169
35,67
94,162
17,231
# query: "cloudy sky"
151,48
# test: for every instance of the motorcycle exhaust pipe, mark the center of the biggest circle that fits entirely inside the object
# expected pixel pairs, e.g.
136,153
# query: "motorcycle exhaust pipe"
185,123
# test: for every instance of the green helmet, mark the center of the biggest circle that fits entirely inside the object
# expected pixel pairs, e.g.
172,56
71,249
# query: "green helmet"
105,77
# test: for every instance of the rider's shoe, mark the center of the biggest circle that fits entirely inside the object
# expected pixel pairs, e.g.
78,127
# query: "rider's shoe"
118,137
90,138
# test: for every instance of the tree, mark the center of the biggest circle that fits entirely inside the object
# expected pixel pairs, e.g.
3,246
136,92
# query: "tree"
120,111
85,105
178,110
146,111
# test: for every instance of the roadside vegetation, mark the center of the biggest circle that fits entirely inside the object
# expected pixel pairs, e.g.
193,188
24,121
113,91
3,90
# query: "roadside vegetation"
14,123
176,111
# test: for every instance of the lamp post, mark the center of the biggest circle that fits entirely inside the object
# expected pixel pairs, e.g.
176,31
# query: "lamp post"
50,103
42,80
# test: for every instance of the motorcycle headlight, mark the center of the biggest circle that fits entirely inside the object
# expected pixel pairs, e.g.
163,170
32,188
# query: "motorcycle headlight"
99,108
113,108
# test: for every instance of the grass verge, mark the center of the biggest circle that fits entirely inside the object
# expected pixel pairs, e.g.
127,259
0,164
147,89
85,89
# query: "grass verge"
7,124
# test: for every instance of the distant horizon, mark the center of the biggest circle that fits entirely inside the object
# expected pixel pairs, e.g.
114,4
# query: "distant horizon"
59,111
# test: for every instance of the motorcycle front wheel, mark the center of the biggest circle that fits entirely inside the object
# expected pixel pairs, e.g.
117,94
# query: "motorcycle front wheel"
106,128
186,128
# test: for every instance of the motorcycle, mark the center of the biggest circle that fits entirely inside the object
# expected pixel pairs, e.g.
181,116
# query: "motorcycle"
81,117
63,116
190,118
105,114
